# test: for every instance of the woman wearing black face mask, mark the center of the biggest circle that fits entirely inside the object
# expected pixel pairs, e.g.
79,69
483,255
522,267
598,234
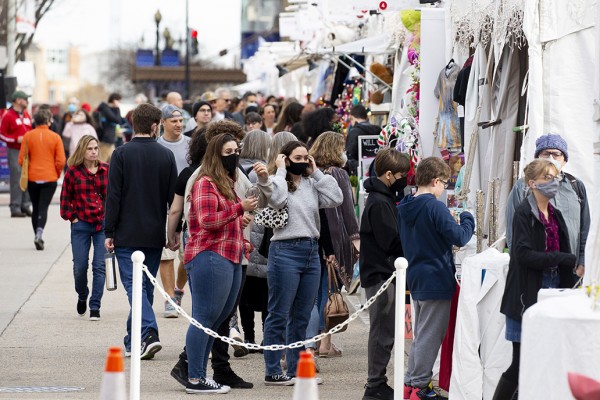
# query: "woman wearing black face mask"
380,246
540,258
294,269
214,252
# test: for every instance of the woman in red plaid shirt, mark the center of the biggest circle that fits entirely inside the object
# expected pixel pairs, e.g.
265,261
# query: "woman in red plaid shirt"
214,252
82,203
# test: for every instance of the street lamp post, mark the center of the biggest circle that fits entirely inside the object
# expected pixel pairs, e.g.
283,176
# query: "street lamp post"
187,52
157,18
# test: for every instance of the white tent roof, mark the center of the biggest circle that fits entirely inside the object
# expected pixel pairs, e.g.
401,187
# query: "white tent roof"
377,44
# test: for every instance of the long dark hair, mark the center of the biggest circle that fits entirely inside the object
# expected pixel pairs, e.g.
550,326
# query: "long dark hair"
316,122
212,165
288,117
287,150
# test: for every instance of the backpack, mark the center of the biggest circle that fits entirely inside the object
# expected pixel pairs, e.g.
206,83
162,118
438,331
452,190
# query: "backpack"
575,184
99,121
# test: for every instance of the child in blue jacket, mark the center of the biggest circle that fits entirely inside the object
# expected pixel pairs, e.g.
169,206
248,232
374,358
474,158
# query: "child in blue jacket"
428,231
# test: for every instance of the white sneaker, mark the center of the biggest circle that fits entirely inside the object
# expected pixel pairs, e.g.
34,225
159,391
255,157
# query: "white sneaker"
235,335
170,311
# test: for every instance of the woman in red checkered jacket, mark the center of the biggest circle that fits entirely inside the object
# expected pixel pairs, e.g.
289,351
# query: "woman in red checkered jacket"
82,203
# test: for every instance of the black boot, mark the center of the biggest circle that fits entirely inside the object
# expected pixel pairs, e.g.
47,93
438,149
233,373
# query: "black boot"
231,379
180,370
505,389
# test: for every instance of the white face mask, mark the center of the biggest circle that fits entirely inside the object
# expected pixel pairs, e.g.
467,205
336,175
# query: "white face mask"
557,164
344,158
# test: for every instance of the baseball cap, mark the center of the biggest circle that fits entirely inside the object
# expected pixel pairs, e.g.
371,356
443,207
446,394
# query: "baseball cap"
208,96
169,109
19,94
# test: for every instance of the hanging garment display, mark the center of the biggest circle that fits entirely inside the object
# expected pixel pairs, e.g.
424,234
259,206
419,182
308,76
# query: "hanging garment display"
481,353
447,129
460,94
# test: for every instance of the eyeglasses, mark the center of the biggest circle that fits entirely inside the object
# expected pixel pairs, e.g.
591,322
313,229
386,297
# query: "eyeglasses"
549,177
555,154
445,183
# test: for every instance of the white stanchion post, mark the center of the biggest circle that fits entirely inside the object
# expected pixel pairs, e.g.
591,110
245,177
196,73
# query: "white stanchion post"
136,324
401,264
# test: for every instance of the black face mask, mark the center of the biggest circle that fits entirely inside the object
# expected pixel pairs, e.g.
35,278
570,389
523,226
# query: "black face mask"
297,168
230,163
398,185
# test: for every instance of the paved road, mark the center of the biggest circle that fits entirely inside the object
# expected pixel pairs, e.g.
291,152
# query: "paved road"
43,342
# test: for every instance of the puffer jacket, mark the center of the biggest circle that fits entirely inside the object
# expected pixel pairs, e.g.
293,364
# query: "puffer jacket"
257,264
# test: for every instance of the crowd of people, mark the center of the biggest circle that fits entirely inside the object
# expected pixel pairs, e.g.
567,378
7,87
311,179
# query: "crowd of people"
185,183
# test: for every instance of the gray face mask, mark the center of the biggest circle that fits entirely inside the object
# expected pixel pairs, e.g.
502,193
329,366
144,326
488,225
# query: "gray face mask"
548,189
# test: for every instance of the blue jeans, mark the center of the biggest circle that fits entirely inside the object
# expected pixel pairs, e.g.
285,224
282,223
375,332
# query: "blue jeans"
152,261
214,283
293,275
83,234
550,280
316,323
19,200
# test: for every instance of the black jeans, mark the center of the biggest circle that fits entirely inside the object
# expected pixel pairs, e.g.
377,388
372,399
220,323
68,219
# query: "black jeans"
41,196
220,355
255,297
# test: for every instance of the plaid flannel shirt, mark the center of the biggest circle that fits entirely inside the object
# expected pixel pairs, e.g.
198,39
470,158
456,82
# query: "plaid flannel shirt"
83,194
215,223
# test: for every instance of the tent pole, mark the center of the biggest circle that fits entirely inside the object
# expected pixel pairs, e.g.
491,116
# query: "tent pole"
366,70
364,80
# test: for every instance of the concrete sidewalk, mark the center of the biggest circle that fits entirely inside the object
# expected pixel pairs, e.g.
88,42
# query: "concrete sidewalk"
45,343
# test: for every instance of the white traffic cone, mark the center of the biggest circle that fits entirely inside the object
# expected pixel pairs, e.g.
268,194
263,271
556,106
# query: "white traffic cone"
113,382
305,387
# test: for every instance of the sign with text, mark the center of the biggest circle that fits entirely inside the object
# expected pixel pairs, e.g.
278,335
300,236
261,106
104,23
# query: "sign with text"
367,150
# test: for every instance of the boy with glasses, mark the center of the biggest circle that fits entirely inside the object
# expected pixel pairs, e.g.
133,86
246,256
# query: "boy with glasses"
571,198
428,231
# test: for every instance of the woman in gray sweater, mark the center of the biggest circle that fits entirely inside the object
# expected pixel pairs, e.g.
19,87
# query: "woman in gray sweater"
294,269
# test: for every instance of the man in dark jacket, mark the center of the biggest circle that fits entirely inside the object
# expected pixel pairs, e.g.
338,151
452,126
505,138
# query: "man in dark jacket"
379,247
429,231
360,127
110,125
141,185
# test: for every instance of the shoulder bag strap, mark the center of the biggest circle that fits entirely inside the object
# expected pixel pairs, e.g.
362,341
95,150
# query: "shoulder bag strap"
332,279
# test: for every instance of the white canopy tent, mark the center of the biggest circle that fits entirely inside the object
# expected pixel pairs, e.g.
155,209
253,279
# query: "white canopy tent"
563,62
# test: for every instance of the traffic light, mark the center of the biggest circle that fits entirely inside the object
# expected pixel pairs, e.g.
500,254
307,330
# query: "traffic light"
194,34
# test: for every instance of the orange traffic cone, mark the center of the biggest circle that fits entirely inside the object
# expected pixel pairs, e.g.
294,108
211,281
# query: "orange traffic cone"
305,387
113,382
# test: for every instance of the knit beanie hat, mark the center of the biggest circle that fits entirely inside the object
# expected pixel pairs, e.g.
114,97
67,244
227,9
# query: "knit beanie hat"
551,141
197,106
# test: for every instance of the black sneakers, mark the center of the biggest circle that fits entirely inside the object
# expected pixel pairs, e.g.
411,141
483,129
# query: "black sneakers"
81,307
205,385
180,371
231,379
279,380
379,392
150,345
94,315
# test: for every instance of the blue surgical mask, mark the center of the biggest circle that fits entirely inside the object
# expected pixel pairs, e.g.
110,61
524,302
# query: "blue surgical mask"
71,108
548,189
